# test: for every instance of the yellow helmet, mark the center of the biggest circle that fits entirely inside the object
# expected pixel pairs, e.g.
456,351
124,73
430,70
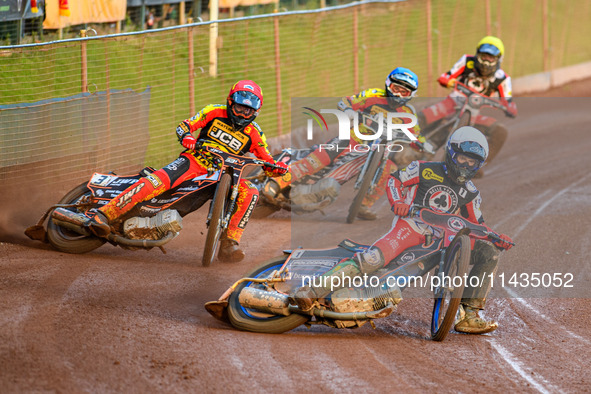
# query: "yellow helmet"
492,41
489,54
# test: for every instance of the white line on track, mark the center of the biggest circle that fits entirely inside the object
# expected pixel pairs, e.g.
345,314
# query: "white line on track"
510,358
537,312
516,365
520,229
522,211
543,206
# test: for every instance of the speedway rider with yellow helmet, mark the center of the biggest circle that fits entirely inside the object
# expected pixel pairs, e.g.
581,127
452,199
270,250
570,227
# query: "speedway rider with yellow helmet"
481,72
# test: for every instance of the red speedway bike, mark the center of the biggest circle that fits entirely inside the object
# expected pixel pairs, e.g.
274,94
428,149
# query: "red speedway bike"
468,107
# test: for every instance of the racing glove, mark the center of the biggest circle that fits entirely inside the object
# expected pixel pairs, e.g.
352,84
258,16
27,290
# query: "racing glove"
511,110
503,242
189,142
422,145
400,208
451,83
279,170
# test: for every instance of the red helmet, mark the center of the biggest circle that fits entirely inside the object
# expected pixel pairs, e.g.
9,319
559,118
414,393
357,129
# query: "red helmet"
244,102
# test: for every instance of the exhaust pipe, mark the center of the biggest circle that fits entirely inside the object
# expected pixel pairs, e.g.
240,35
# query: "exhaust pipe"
70,220
264,301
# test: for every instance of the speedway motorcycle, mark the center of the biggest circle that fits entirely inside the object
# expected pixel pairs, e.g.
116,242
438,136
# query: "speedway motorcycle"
260,302
469,104
151,223
367,161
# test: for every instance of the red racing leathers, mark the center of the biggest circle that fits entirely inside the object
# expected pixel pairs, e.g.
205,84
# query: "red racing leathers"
216,131
427,184
497,85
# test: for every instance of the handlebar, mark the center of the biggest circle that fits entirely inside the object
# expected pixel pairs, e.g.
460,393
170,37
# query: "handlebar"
218,161
494,236
485,100
415,210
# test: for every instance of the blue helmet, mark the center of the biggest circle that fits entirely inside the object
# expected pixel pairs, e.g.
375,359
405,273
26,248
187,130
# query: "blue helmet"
402,85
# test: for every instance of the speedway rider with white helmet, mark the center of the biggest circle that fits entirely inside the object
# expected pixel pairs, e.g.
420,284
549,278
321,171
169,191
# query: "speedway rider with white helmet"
443,187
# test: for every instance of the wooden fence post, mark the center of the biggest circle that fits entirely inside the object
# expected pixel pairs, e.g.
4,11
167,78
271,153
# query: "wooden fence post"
429,51
545,40
107,151
355,50
84,65
488,18
278,75
191,69
213,38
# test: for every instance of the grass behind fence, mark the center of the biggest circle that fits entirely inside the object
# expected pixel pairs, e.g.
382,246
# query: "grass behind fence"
317,57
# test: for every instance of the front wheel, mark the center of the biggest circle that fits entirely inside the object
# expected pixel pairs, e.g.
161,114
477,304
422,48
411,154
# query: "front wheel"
255,321
215,223
374,164
447,297
69,241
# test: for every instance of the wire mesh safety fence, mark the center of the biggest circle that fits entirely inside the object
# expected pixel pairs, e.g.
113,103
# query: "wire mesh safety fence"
166,73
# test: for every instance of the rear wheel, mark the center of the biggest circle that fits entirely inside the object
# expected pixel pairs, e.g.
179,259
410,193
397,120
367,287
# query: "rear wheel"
251,320
69,241
365,185
215,223
447,297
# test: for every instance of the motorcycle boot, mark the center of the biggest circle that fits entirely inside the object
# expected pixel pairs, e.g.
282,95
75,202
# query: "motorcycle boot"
305,297
230,252
471,323
99,225
366,213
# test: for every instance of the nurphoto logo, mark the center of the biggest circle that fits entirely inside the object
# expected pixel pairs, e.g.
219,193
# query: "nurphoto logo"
393,128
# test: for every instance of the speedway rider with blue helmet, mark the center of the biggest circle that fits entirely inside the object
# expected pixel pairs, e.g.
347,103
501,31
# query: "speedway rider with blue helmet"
400,87
443,187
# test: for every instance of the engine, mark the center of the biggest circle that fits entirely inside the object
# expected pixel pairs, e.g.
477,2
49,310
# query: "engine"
154,227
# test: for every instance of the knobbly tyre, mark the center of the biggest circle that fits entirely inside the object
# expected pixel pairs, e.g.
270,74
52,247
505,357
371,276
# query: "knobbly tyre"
260,302
469,104
373,167
151,223
367,162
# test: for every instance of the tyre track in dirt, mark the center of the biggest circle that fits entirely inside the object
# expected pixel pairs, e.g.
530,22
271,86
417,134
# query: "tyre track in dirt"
116,320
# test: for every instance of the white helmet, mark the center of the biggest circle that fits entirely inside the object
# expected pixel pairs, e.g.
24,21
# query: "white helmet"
470,142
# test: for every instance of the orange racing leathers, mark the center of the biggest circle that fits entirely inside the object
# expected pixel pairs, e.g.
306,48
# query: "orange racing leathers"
215,131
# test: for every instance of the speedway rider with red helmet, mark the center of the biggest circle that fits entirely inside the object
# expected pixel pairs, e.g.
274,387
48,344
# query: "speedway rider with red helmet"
444,187
483,74
400,87
230,128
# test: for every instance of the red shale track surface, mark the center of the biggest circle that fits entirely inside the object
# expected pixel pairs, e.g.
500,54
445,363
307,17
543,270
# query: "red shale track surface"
123,321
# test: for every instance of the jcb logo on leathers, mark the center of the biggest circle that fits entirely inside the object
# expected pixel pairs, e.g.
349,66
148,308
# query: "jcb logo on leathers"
233,140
